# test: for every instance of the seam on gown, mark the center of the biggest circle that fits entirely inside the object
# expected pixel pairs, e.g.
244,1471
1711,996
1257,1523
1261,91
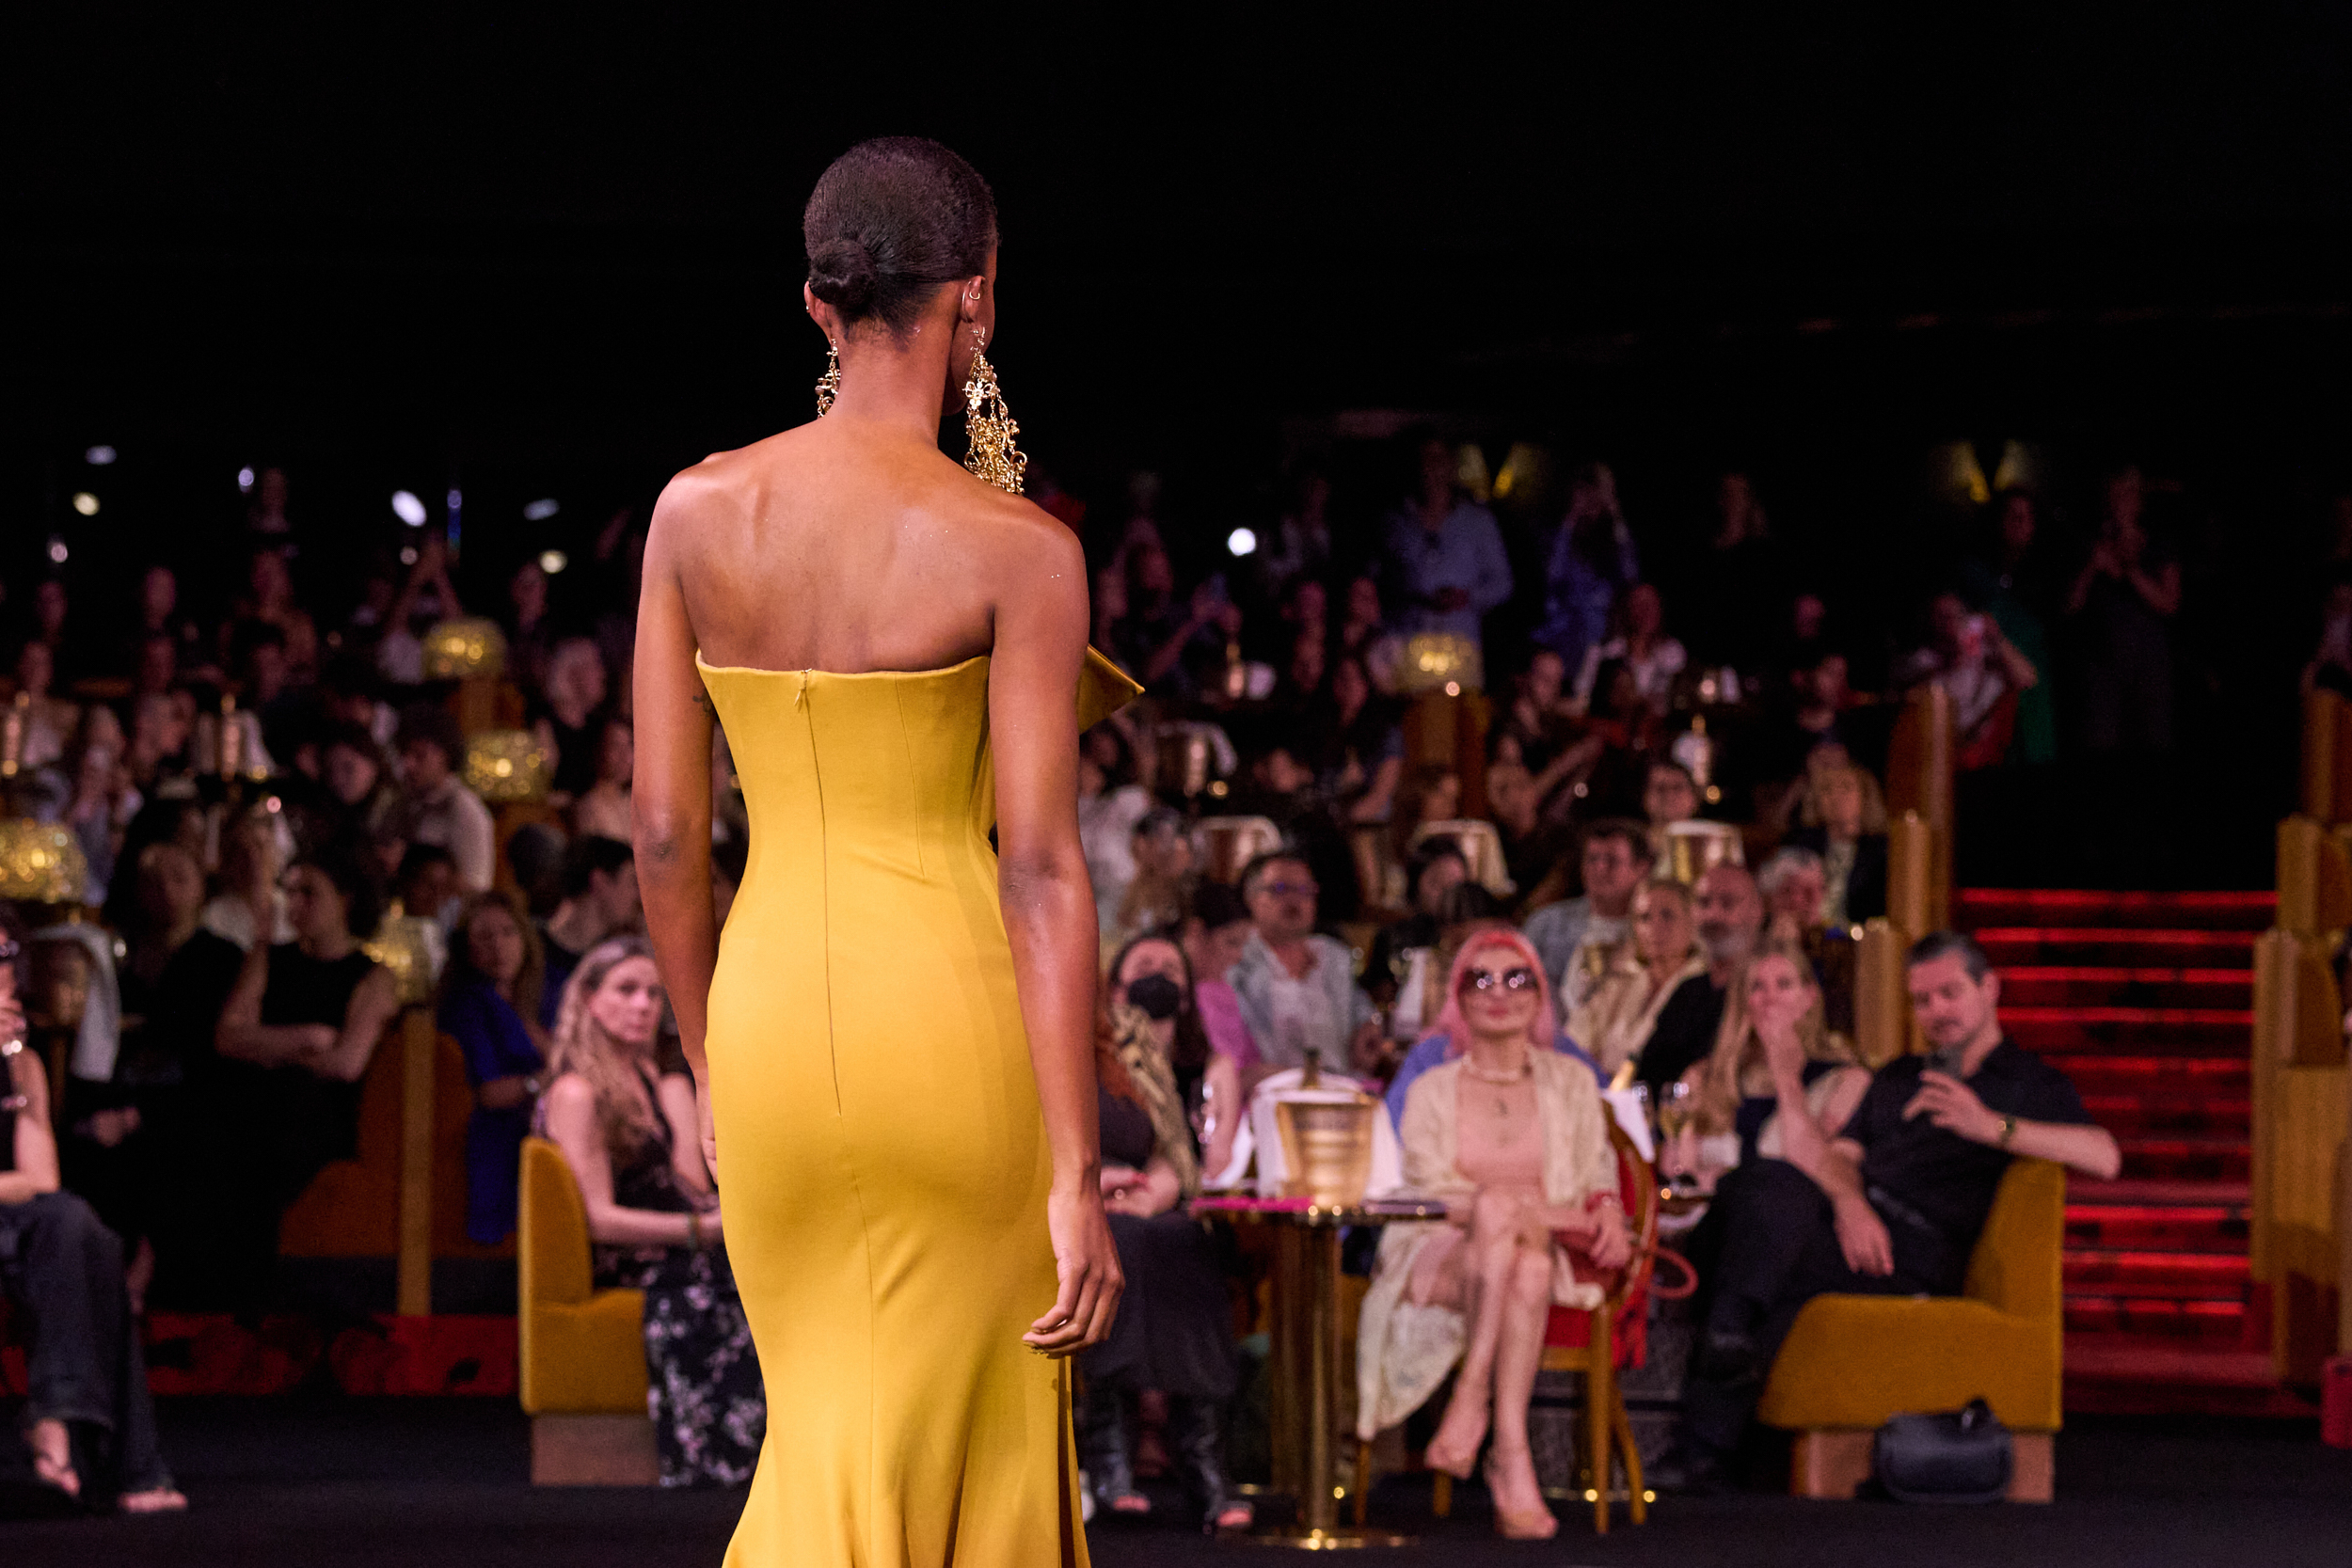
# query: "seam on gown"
824,885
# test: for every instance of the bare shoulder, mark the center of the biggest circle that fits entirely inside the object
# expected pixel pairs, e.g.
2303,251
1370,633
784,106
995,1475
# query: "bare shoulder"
570,1096
722,484
1027,543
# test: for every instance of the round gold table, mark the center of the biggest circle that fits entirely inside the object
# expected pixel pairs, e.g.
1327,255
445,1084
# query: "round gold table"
1307,1368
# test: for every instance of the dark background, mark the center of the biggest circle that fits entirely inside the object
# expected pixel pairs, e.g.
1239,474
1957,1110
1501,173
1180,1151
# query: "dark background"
535,253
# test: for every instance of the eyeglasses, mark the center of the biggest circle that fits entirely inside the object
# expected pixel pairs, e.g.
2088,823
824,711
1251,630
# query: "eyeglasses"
1521,978
1289,889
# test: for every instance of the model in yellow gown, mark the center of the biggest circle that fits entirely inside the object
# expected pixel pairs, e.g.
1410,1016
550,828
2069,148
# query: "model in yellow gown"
882,1162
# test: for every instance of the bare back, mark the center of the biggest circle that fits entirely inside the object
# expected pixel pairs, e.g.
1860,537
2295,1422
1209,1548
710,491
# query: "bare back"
833,546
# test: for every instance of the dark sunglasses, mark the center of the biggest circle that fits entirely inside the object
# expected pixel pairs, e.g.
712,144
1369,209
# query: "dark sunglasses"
1521,978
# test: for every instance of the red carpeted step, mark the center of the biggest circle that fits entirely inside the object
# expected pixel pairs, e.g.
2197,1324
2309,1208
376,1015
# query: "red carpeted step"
2117,947
2157,1112
2235,912
2173,1031
2117,985
2164,1076
2221,1158
2209,1323
2172,1276
2183,1227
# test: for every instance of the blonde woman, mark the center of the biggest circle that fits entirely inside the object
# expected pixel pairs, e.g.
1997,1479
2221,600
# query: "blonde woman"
1514,1136
1844,816
1737,1120
1614,1021
628,1130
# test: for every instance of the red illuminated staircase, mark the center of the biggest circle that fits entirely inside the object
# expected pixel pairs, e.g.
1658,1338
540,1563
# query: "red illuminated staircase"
2146,999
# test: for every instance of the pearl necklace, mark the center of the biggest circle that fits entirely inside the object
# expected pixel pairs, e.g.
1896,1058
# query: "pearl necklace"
1527,1070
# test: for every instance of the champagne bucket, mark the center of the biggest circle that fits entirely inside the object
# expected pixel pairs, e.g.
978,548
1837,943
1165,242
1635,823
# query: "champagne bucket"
1327,1145
1694,848
1232,842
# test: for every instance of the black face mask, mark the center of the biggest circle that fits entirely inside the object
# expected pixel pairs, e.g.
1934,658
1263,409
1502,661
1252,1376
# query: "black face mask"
1155,996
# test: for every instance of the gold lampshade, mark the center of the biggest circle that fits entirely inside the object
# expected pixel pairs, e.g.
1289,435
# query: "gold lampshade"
1440,661
464,649
1695,848
507,765
40,863
403,944
1327,1144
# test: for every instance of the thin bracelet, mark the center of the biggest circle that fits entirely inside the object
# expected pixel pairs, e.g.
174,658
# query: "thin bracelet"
695,1229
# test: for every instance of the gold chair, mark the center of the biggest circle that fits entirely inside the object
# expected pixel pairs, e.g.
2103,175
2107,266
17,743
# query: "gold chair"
1853,1361
582,1351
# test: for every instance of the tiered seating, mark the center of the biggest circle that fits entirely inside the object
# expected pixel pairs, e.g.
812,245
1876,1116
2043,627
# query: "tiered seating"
2146,999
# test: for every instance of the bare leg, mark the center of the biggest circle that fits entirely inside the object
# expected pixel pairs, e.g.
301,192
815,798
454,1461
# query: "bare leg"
1526,1310
1490,1258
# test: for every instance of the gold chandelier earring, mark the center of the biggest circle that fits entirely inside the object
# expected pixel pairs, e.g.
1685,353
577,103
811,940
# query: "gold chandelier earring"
829,384
991,454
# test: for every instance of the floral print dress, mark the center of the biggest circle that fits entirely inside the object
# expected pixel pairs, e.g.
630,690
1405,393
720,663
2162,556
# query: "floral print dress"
709,1407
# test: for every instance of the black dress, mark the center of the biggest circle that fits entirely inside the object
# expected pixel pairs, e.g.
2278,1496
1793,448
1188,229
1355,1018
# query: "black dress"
709,1409
1175,1330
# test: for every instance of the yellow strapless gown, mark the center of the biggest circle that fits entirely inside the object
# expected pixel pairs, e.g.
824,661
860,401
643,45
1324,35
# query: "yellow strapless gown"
882,1165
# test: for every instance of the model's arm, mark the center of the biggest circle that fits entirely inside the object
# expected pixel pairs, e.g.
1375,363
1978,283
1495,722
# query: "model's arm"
672,792
1040,628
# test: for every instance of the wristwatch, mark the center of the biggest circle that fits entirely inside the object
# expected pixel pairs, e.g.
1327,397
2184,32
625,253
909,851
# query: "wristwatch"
2009,1129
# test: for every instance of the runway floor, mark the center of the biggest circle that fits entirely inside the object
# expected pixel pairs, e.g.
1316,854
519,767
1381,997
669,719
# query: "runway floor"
354,1483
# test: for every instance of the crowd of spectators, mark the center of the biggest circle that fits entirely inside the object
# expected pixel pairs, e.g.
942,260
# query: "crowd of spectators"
250,782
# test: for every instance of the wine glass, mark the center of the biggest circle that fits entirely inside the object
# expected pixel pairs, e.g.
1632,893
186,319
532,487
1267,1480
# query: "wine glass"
1677,1104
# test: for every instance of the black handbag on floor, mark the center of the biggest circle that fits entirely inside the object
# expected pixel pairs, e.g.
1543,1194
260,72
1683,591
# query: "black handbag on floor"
1958,1456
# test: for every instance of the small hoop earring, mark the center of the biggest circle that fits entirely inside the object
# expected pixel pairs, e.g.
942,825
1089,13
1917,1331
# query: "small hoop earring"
829,384
991,454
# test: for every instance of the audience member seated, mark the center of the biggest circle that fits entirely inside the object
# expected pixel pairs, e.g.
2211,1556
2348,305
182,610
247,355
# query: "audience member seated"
1848,832
1444,554
653,1215
360,806
490,1006
571,718
426,886
1161,852
1795,888
1660,967
1734,1120
1890,1204
1653,658
600,900
88,1416
1352,741
1535,842
1434,870
1575,935
171,976
1669,795
250,907
296,1039
1215,930
1366,637
435,806
1981,669
605,809
1174,1331
1297,987
1110,802
1514,1137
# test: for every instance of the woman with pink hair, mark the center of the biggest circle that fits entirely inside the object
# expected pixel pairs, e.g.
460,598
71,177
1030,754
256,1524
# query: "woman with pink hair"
1514,1136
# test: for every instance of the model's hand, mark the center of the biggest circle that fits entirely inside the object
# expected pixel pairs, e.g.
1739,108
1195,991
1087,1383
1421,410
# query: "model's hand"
710,1138
1862,1236
1953,1106
1087,1264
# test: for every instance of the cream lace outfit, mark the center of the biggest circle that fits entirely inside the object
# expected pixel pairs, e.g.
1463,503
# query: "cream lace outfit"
1405,1350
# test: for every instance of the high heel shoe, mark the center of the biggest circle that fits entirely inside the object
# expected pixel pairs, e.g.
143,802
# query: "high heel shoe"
1537,1525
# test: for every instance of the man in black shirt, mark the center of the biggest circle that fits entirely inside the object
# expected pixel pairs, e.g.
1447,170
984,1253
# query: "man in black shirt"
1891,1204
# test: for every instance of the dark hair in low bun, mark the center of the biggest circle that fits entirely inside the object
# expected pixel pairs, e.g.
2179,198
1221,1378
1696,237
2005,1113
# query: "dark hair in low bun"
891,221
